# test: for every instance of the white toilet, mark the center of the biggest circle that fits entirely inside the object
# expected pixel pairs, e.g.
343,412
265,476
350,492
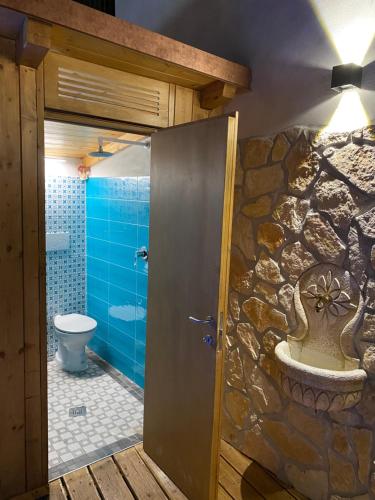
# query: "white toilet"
74,332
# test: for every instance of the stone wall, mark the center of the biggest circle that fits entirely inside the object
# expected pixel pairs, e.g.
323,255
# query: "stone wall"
301,198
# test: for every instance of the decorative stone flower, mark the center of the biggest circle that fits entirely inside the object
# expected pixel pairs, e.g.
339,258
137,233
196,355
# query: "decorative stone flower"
328,296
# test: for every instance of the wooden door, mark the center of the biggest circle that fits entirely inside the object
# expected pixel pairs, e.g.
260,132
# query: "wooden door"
192,179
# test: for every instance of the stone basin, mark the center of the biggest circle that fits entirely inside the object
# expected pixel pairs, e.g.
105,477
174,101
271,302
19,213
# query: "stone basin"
318,388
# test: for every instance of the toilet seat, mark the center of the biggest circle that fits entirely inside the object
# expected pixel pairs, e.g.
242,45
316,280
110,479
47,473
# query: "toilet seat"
74,323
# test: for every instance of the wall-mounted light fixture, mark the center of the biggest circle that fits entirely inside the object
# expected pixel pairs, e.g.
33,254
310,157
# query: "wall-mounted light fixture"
346,76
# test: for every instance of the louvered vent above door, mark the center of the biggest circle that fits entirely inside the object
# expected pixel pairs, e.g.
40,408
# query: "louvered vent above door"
90,89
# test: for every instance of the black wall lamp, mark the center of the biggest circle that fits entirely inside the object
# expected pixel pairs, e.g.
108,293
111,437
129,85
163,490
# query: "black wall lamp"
346,76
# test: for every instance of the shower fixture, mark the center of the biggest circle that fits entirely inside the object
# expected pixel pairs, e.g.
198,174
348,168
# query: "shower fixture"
100,153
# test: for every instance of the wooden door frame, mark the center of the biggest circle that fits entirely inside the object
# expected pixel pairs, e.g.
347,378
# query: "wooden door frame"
39,417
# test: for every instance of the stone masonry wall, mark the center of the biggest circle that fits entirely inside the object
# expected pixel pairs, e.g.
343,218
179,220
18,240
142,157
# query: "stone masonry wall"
301,198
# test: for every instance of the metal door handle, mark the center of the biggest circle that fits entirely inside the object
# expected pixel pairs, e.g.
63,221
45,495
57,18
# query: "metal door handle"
210,321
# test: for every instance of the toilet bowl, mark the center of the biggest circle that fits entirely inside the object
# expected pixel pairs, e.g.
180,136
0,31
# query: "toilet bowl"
74,332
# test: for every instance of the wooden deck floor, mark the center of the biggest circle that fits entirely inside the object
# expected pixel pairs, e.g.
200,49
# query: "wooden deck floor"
131,474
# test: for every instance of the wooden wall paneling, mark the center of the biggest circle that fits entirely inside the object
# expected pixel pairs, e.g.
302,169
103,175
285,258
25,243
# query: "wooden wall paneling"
183,105
172,103
88,48
30,218
12,357
89,89
42,274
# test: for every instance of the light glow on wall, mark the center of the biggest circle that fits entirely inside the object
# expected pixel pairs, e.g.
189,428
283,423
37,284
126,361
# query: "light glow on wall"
349,25
349,114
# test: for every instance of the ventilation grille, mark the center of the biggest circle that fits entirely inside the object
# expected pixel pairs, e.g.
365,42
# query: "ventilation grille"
88,88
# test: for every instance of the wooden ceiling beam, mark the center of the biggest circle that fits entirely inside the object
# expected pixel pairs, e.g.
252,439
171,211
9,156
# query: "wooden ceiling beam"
132,40
33,43
216,94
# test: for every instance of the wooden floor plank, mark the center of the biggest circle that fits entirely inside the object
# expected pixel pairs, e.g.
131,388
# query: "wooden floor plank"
57,490
140,479
169,488
80,485
235,485
254,474
109,481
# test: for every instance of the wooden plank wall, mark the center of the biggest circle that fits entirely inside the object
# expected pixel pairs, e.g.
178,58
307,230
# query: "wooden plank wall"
184,106
23,427
12,356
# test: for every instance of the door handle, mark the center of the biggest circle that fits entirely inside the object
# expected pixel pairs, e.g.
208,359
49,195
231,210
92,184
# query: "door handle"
209,321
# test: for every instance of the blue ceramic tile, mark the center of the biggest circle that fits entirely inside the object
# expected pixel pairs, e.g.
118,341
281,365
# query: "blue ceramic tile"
97,228
120,361
139,380
101,329
144,188
140,353
141,331
123,211
139,374
97,268
142,266
143,236
122,342
142,280
125,234
97,187
97,308
98,249
122,309
97,208
130,188
100,346
123,278
97,288
121,255
143,213
115,208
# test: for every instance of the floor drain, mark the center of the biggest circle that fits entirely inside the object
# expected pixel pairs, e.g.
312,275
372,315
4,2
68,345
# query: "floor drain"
77,411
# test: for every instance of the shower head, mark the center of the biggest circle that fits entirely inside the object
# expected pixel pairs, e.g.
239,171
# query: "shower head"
100,153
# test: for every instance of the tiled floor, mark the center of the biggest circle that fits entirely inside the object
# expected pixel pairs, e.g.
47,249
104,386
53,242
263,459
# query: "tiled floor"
113,420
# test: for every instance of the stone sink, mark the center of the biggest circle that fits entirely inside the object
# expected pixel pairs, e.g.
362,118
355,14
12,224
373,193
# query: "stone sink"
318,366
318,388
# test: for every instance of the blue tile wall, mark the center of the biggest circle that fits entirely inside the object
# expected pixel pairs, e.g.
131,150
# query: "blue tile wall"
66,269
117,224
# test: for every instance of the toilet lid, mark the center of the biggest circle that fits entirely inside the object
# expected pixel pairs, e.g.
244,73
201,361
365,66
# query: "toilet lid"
74,323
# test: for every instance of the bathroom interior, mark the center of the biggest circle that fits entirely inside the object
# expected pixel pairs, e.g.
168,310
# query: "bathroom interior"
97,188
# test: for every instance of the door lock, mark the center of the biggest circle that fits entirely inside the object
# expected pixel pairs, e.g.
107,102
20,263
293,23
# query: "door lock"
209,340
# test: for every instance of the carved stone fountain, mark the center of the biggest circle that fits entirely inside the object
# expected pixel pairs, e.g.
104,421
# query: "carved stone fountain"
318,364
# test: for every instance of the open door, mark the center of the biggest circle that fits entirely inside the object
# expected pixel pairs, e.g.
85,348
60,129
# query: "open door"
192,182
